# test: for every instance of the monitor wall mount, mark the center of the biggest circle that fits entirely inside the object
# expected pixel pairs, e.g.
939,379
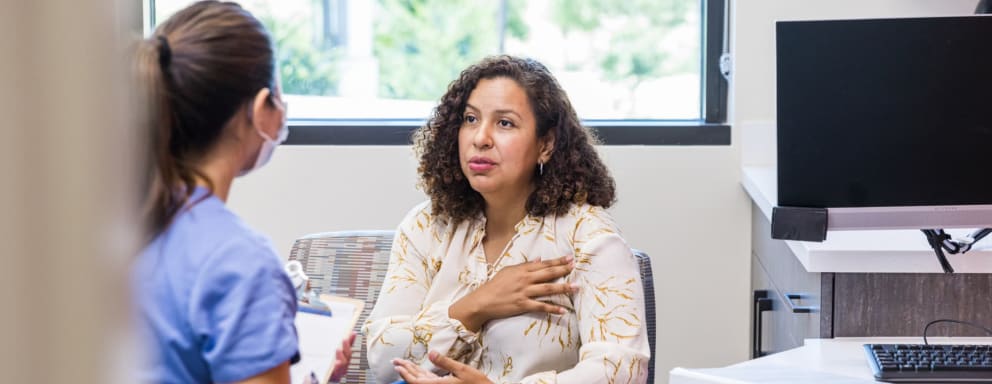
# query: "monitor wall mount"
810,224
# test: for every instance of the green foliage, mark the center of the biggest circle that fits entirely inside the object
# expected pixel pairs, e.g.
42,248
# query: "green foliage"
515,25
308,71
579,15
587,15
633,53
422,45
304,68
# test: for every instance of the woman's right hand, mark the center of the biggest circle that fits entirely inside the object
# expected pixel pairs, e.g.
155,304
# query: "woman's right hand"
513,291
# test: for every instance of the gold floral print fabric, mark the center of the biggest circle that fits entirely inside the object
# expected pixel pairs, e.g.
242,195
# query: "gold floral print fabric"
600,339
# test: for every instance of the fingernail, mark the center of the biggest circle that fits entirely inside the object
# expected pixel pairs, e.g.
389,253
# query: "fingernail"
569,258
561,310
575,287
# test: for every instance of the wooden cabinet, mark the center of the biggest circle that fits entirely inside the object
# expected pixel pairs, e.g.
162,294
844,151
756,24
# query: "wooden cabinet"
797,304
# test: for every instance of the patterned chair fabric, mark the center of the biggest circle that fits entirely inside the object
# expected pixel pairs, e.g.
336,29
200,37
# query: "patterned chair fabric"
354,263
348,264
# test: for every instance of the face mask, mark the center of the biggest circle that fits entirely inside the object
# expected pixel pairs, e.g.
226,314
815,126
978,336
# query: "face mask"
269,146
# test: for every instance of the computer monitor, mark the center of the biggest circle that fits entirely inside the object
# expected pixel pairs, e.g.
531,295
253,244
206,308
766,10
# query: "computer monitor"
887,123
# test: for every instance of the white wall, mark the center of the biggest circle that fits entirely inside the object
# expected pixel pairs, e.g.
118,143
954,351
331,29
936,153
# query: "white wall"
308,189
682,205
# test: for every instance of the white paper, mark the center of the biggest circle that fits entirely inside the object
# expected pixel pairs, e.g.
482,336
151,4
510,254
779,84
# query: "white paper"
320,337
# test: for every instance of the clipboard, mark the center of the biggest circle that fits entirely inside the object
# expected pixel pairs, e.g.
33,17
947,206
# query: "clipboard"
320,335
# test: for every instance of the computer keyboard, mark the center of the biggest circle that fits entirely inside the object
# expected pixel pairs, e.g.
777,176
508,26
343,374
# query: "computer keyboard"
934,363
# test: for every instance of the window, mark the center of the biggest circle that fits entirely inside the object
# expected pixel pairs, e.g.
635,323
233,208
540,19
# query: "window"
364,65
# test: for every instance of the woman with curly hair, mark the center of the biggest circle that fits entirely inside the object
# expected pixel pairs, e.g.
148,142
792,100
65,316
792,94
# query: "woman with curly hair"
513,271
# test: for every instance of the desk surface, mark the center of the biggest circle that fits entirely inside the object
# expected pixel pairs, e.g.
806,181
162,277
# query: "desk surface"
840,360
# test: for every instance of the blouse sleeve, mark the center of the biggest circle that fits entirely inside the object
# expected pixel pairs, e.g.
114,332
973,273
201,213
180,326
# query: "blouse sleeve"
609,307
401,325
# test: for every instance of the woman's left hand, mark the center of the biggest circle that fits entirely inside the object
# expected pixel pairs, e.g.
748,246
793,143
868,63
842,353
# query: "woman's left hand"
460,373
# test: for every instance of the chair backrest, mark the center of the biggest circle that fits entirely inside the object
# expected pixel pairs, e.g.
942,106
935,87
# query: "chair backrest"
354,264
348,264
647,280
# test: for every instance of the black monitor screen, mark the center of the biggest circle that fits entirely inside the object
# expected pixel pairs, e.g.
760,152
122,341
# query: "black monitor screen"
885,112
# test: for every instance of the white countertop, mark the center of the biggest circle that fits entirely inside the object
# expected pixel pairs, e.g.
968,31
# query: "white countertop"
892,251
837,361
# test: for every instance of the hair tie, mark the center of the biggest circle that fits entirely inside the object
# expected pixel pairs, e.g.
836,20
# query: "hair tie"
164,52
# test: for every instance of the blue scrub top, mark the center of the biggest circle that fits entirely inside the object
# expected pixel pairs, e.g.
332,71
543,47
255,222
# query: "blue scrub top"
214,301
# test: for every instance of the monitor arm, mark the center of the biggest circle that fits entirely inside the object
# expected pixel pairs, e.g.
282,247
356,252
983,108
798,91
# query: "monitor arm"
940,241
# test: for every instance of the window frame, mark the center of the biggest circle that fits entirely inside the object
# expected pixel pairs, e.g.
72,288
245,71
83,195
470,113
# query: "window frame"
711,130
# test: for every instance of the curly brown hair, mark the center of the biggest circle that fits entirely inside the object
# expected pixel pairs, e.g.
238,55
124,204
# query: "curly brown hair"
573,174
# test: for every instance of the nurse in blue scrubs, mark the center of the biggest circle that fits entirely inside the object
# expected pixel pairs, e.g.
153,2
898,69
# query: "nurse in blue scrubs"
214,301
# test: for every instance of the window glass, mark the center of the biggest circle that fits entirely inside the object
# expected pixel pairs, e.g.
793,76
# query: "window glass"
393,59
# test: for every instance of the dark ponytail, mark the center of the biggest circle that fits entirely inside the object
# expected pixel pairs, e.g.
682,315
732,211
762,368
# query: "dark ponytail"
984,6
197,70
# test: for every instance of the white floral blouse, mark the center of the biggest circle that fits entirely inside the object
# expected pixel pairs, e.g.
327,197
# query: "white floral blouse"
602,337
